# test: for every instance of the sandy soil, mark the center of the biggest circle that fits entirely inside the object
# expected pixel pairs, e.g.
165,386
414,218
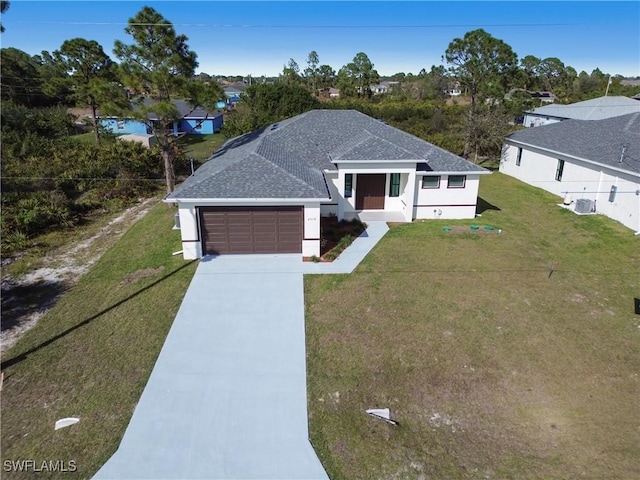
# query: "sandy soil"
27,298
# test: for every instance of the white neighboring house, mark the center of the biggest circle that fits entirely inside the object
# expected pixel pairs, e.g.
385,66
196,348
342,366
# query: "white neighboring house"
594,109
594,162
265,191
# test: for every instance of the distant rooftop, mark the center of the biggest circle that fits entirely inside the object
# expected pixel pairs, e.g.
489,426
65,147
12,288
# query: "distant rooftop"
594,109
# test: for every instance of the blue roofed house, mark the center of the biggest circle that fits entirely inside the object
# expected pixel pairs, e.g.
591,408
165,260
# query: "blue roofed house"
193,121
265,191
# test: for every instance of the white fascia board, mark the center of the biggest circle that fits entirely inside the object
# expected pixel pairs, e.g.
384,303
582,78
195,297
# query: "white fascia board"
410,162
435,174
230,201
564,156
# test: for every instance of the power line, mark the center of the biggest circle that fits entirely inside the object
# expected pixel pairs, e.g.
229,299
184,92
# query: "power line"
306,26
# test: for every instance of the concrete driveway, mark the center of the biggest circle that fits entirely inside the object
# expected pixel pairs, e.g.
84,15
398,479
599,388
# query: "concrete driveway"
227,396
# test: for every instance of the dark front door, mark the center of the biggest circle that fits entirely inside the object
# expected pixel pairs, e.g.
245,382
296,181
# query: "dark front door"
370,191
251,229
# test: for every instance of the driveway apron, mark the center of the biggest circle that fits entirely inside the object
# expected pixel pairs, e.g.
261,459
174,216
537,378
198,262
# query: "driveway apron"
227,396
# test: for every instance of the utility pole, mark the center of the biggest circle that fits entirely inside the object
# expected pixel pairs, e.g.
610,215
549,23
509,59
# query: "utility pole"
608,83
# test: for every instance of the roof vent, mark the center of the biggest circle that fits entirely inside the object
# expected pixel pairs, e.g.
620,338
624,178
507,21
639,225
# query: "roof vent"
623,150
274,126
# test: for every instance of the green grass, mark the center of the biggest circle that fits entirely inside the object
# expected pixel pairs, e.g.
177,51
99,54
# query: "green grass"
502,356
88,137
201,147
510,355
91,355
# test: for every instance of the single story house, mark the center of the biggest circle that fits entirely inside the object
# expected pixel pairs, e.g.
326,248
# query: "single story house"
193,121
383,87
265,191
593,164
233,92
594,109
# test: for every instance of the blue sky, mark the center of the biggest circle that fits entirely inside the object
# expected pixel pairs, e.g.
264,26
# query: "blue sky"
259,37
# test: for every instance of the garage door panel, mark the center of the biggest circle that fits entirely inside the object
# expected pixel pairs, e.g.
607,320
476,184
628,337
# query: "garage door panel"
245,230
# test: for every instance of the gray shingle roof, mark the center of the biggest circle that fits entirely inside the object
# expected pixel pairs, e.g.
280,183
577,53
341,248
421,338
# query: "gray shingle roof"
287,159
597,141
594,109
184,109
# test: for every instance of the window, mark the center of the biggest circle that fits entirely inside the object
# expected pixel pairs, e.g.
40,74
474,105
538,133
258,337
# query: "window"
198,125
519,157
456,181
348,185
559,170
430,182
394,185
120,124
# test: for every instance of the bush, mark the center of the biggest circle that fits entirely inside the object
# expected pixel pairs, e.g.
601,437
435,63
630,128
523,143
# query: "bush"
50,179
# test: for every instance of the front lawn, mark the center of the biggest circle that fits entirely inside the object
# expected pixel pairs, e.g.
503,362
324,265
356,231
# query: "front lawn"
511,355
92,354
201,147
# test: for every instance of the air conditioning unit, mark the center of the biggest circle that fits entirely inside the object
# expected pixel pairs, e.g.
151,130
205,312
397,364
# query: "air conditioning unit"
584,205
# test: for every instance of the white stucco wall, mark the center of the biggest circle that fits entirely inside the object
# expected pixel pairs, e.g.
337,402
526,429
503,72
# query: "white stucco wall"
536,120
189,231
580,180
444,202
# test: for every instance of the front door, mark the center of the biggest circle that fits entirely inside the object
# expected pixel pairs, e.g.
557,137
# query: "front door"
370,191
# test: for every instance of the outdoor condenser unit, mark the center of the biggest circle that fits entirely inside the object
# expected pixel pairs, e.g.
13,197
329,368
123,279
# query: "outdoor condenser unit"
584,205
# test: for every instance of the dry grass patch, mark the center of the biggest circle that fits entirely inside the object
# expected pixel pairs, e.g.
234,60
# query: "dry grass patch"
502,356
90,356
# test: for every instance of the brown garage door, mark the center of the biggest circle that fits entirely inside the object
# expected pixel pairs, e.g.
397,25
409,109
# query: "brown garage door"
251,229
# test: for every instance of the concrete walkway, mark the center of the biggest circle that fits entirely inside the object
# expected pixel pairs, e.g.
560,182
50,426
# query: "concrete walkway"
227,396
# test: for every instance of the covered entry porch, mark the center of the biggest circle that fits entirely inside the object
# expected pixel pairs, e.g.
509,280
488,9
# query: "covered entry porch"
384,193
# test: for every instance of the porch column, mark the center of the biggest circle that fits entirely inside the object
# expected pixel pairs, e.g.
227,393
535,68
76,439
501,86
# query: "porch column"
341,199
410,196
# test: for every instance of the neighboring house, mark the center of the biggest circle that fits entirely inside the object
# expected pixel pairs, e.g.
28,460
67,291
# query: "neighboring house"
233,92
264,192
454,90
193,121
594,165
379,89
594,109
546,97
334,92
383,87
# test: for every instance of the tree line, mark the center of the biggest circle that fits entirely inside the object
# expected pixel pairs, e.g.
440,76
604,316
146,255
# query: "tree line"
50,180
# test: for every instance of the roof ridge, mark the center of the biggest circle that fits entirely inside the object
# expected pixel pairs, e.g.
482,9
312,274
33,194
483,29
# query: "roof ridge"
344,148
289,173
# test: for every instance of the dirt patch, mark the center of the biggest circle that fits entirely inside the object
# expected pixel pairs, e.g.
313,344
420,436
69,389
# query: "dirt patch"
27,298
140,274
